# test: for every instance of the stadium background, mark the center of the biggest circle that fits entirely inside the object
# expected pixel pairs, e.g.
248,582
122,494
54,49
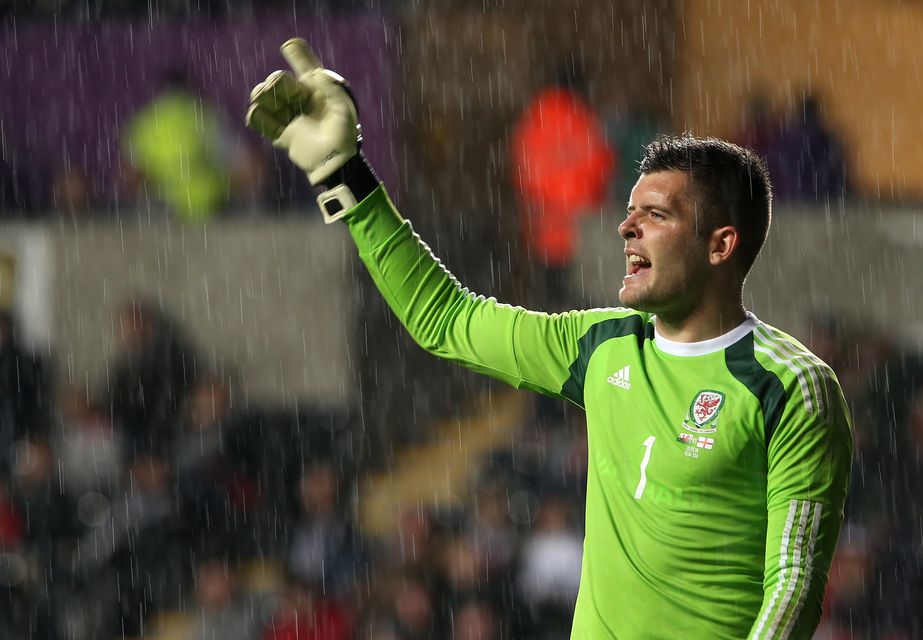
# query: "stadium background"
448,489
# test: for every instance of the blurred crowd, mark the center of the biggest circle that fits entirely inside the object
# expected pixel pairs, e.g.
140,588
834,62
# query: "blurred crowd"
876,581
160,508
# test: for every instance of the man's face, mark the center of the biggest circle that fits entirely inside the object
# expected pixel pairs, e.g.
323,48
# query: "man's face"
666,258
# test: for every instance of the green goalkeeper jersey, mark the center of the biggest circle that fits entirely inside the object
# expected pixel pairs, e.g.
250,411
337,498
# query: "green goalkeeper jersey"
717,470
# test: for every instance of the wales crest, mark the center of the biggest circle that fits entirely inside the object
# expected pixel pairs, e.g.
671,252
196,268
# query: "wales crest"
702,416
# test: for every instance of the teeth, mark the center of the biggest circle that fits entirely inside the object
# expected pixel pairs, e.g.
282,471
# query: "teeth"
634,259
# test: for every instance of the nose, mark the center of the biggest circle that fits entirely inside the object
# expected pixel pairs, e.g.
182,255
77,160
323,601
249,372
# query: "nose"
630,228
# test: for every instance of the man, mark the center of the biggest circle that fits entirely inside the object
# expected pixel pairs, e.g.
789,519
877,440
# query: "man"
719,447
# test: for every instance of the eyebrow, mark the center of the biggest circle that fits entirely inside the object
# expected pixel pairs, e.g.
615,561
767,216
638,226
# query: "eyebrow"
648,207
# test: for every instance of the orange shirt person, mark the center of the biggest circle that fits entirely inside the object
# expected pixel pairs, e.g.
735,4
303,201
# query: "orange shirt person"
561,166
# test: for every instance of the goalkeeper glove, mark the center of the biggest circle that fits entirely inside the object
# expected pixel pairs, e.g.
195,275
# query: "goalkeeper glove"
314,118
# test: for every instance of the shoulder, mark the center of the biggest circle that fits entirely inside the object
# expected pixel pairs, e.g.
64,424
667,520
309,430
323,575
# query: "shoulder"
600,325
809,383
792,384
619,328
587,328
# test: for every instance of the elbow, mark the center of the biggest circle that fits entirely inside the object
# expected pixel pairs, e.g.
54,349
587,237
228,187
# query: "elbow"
436,318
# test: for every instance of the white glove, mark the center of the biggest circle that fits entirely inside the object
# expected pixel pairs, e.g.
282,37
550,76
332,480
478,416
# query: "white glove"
313,117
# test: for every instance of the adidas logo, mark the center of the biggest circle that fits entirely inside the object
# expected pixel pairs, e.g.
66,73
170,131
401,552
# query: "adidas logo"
620,378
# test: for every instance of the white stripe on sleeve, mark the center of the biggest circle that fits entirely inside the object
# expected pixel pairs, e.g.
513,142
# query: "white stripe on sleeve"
794,598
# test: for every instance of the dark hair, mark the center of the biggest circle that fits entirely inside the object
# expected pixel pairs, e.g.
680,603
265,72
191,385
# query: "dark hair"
732,183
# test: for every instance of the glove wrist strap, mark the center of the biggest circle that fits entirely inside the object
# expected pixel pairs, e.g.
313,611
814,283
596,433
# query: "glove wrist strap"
345,188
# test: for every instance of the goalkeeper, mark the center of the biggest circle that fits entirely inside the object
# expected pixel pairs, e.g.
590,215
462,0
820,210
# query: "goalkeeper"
719,446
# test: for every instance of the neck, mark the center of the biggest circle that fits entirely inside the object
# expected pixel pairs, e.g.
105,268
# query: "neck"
705,322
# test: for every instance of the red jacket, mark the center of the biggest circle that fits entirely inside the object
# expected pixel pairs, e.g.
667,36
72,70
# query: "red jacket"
326,621
561,168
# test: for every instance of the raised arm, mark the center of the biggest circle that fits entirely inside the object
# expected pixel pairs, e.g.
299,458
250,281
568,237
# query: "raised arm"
810,455
526,349
313,117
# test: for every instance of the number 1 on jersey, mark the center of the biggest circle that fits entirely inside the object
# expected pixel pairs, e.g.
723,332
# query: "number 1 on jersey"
648,445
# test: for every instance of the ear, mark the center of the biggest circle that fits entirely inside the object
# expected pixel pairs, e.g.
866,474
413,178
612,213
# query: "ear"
724,242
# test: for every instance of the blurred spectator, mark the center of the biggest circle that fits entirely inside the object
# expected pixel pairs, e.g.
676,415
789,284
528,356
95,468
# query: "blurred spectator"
548,575
150,378
462,568
305,613
218,490
553,458
71,190
848,609
898,591
326,549
133,546
87,447
15,605
24,402
48,517
12,527
490,528
567,466
561,167
177,146
48,513
878,380
409,610
807,159
475,620
910,477
411,546
463,576
221,610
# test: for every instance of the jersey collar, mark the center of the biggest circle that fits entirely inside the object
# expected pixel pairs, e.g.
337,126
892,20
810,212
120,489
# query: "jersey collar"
705,346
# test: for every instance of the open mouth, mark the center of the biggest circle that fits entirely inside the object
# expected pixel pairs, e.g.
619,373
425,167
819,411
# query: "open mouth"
637,264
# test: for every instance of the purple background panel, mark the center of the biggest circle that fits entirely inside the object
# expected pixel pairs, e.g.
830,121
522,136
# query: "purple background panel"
68,91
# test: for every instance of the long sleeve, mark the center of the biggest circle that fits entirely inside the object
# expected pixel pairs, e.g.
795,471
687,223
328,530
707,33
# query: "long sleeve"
809,457
526,349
